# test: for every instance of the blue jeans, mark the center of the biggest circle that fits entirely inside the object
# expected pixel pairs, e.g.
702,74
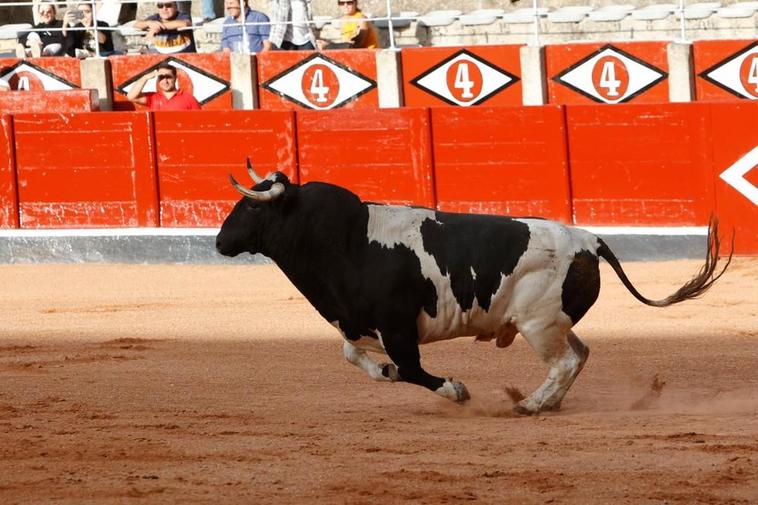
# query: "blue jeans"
208,9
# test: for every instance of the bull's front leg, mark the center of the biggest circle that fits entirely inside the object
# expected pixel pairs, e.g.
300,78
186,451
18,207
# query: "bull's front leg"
377,371
403,351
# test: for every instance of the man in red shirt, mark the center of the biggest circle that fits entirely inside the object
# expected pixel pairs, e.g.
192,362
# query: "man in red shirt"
167,96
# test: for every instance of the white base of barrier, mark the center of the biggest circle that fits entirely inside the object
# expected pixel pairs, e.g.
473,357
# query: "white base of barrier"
197,245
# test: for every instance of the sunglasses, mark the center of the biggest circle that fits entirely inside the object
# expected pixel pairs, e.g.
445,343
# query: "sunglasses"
165,6
165,76
348,2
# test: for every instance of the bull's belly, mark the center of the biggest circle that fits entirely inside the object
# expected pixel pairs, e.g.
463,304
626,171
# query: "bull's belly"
475,323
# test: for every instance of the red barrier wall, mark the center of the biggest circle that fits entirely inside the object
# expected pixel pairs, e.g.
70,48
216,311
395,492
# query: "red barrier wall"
8,194
293,80
41,74
726,69
206,75
634,164
735,163
640,164
513,162
383,155
196,152
85,170
607,73
460,76
30,102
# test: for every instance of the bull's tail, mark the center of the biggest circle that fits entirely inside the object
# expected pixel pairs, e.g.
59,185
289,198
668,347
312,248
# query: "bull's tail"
695,287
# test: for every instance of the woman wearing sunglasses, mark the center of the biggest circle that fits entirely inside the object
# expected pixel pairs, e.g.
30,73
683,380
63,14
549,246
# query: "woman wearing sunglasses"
356,30
83,41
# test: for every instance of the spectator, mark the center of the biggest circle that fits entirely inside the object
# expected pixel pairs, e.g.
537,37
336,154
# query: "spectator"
356,31
167,96
292,25
83,41
45,42
257,34
208,10
169,30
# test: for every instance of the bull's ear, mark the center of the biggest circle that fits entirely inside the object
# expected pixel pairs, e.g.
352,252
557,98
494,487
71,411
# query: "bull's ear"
281,177
288,201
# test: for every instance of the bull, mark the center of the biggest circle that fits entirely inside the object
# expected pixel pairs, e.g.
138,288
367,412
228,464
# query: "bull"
390,278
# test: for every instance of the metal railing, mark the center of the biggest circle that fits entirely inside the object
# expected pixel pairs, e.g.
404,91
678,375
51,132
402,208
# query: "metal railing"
390,19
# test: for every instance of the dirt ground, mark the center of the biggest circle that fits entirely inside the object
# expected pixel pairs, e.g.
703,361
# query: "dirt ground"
198,384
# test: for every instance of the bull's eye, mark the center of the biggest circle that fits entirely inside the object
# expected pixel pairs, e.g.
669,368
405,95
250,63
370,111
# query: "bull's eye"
253,207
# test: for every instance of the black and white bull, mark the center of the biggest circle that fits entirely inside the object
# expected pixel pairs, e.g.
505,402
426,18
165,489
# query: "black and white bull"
392,277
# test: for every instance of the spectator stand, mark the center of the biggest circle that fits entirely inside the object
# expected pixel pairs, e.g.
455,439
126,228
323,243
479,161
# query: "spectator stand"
530,34
541,24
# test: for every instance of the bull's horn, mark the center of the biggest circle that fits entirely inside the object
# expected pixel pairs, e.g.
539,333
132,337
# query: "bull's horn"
257,178
260,196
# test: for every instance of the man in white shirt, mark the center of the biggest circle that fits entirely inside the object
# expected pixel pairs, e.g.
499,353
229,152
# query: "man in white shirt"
292,28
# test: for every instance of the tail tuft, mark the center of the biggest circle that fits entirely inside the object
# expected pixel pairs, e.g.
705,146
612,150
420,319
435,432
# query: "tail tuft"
695,287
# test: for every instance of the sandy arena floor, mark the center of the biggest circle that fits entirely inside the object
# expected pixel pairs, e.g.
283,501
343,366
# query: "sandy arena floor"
199,384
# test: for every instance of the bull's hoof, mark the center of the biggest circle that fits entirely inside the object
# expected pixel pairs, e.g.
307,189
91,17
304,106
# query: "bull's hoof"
461,393
454,390
389,370
522,411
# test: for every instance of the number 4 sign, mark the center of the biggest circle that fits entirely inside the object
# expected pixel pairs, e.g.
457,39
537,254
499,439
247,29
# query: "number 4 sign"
320,83
737,74
464,79
463,84
610,75
613,80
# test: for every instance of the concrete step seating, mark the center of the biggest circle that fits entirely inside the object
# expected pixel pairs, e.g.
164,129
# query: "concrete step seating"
438,19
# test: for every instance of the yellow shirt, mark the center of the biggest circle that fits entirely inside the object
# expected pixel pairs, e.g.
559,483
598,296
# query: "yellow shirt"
351,27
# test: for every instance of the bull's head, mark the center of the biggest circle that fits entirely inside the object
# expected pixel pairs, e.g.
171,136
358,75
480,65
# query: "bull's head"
244,229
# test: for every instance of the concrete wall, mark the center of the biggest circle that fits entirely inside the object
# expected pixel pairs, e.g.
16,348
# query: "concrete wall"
499,32
714,27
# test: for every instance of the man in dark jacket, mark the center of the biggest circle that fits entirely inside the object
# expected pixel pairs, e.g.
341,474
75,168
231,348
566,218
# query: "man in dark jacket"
45,42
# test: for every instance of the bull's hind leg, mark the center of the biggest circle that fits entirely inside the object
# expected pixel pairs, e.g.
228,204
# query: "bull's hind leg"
403,351
359,358
565,354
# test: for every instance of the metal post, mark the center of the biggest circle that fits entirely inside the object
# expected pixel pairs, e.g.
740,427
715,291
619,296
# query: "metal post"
536,38
94,26
389,24
243,22
682,24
